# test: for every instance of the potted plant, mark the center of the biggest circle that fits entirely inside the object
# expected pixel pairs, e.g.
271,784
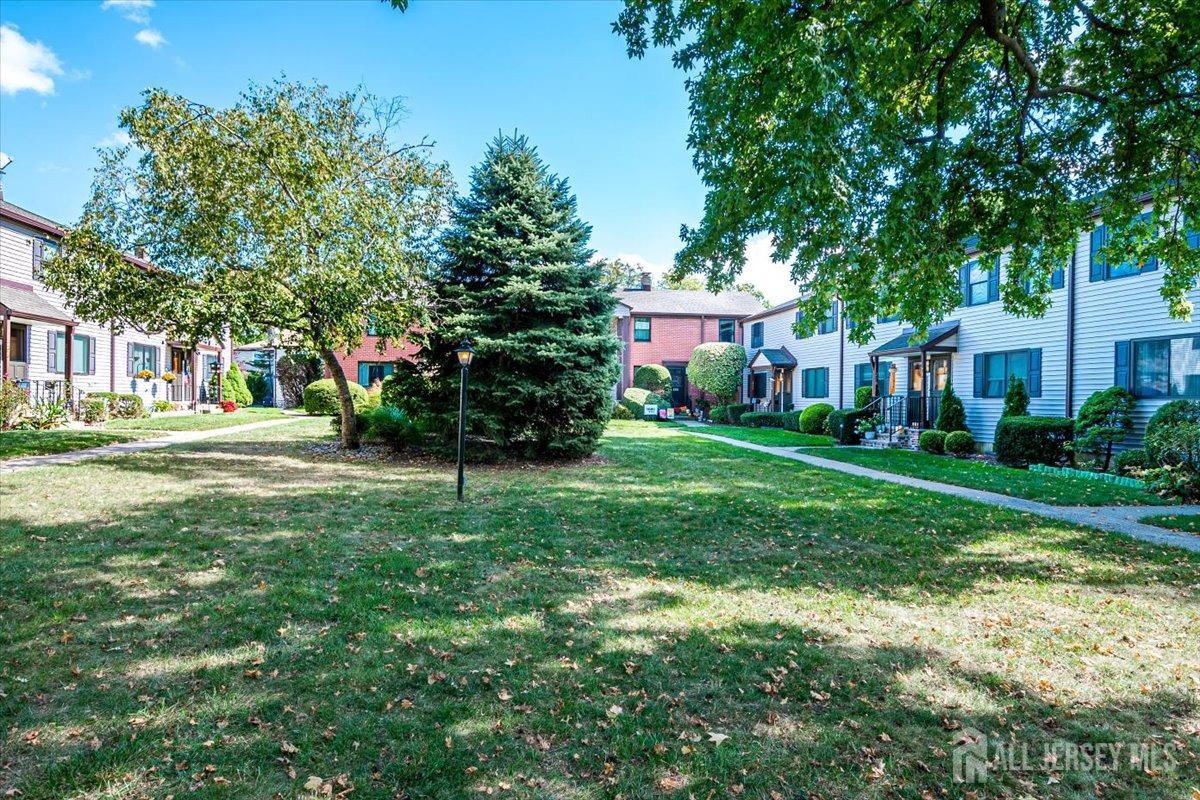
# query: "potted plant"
168,376
145,374
865,428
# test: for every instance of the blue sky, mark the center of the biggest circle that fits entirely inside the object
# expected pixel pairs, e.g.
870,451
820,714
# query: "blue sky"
615,127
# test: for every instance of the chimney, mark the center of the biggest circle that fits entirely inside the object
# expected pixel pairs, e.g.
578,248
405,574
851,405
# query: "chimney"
140,252
646,282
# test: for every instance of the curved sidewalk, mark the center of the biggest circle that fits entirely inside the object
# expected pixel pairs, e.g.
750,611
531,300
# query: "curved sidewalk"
1116,519
138,446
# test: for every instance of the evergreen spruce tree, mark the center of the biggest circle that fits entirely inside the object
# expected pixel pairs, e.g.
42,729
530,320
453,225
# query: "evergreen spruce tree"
951,414
518,283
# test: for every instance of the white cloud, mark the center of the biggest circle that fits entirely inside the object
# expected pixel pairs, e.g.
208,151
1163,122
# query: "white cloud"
26,65
133,10
772,279
114,139
150,38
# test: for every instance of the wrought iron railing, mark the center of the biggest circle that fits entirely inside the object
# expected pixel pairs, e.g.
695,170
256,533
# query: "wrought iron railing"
45,392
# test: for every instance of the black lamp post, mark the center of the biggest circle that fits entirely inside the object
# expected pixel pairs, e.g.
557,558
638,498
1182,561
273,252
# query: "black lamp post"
465,354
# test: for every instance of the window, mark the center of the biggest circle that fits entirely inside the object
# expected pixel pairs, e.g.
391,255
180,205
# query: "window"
641,329
142,356
994,370
1166,367
885,318
756,334
370,328
979,285
371,371
798,327
726,330
862,376
83,355
816,382
830,323
43,250
1101,270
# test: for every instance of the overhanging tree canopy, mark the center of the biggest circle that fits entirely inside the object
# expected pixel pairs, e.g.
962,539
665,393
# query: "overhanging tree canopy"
294,208
872,138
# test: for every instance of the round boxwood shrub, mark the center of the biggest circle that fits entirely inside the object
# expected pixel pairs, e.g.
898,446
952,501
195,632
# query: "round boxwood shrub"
959,443
716,368
636,400
1168,415
653,377
621,412
1021,441
1129,460
932,441
862,396
812,419
833,423
321,397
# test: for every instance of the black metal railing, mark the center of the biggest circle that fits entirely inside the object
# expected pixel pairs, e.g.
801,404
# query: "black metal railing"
45,392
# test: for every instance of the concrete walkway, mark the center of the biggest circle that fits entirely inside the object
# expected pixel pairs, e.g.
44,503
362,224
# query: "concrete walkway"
138,446
1117,519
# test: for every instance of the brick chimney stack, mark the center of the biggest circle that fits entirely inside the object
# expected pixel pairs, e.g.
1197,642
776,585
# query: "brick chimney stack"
647,284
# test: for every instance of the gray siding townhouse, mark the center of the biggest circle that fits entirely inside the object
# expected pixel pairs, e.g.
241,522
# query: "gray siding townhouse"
53,354
1107,326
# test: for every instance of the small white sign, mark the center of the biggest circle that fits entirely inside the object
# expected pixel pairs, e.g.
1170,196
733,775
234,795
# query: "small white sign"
650,411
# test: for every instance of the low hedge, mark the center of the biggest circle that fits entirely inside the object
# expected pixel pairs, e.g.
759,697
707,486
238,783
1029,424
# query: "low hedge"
764,419
841,424
1129,460
812,419
730,414
636,400
121,406
321,397
791,421
959,443
932,441
1021,441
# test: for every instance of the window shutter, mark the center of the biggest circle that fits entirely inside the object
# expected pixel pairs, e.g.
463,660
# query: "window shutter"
979,375
52,351
825,380
964,282
1151,264
1121,364
994,284
38,255
1099,234
129,359
363,371
1058,278
91,370
1035,372
156,361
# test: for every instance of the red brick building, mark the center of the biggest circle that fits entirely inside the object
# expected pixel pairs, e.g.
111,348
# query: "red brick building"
365,363
663,326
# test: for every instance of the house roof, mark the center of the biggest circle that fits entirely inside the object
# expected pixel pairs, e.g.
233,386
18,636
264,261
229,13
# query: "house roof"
22,302
775,309
901,344
773,357
27,217
689,302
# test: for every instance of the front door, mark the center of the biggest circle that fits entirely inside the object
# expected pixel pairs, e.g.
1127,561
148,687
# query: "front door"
181,389
679,385
18,352
939,376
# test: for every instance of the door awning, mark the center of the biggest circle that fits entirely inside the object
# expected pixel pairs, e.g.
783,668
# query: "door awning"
18,301
772,358
938,338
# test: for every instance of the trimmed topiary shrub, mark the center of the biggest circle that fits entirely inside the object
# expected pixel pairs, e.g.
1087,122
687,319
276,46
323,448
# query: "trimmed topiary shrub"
716,368
791,421
833,422
636,400
734,412
1127,461
129,406
764,419
321,397
653,377
812,419
1104,420
862,396
959,443
1168,415
1016,399
621,412
951,414
932,441
1021,441
234,387
95,410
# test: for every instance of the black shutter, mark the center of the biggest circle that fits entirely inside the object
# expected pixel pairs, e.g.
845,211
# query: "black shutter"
978,375
1121,364
129,359
91,355
38,256
52,351
1035,372
1097,261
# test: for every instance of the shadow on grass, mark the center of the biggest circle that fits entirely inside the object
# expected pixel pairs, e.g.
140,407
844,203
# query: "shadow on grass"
566,633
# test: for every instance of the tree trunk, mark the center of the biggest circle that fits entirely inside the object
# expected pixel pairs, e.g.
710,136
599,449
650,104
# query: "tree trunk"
349,424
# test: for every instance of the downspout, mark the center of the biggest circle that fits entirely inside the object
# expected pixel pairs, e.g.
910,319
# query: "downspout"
842,363
1068,401
112,360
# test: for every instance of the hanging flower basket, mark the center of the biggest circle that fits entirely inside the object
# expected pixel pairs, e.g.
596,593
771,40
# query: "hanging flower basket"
145,374
169,377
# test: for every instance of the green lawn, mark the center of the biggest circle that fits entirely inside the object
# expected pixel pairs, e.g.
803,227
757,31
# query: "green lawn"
679,618
1059,490
196,422
18,444
771,437
1188,523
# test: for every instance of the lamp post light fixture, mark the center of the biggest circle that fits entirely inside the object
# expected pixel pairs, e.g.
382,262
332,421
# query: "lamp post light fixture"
465,354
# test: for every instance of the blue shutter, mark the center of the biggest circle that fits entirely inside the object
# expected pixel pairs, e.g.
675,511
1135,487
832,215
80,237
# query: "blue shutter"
978,375
1121,364
91,355
39,254
1035,372
52,351
129,358
825,380
1193,239
363,371
1058,278
1099,234
994,284
964,283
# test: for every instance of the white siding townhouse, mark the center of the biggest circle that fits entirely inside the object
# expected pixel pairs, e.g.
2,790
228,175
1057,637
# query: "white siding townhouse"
1108,325
47,350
